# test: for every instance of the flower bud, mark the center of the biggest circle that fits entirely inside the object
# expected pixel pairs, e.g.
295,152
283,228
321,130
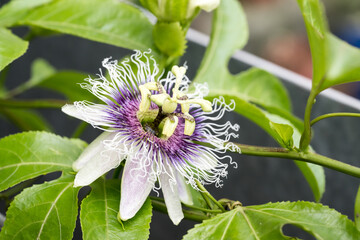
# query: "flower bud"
178,10
167,10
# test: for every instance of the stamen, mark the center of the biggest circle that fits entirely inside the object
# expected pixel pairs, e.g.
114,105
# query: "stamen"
170,104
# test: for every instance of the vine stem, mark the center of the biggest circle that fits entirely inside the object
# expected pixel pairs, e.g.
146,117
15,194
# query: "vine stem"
188,214
189,206
339,114
302,156
79,130
306,135
43,103
208,195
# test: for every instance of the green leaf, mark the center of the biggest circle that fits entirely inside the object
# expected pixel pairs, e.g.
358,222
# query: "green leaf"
266,222
285,132
334,61
170,38
343,63
27,155
357,210
40,70
229,33
15,10
258,95
45,211
67,83
26,120
316,27
11,47
99,214
106,21
64,82
315,176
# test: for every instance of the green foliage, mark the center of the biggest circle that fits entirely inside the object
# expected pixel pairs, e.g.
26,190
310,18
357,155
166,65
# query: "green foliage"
258,95
40,70
105,21
46,211
170,38
64,82
334,61
357,210
30,154
99,214
265,222
11,47
67,84
15,10
26,120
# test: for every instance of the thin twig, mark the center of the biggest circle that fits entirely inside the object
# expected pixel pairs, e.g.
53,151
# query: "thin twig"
207,194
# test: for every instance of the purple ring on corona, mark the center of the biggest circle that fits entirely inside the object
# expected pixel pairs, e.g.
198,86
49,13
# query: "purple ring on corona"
156,129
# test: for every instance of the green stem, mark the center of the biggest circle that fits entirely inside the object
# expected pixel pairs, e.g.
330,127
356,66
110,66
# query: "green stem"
79,130
357,210
43,103
202,209
189,206
340,114
306,135
188,214
3,74
207,194
207,200
302,156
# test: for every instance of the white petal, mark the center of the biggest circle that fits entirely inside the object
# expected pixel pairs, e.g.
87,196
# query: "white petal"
73,111
183,189
207,5
135,188
172,199
98,115
93,149
99,164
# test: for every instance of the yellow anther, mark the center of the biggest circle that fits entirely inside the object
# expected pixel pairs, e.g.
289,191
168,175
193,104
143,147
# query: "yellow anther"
189,127
205,105
170,126
168,105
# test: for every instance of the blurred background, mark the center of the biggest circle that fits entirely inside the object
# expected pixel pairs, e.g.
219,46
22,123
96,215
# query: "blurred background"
278,34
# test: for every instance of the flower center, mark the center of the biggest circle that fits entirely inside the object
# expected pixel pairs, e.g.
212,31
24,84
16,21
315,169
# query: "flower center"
165,120
152,121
